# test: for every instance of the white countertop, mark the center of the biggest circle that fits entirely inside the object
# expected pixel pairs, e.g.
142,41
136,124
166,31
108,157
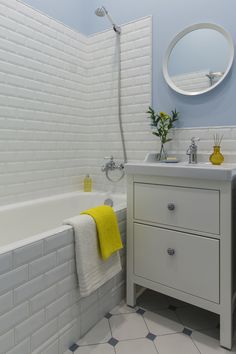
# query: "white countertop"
224,172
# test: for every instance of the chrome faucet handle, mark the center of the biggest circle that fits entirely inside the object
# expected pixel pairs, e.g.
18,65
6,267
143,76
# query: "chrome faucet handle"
109,165
194,140
192,150
112,165
193,145
120,166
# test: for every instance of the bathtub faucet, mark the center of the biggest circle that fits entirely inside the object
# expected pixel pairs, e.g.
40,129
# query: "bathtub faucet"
111,165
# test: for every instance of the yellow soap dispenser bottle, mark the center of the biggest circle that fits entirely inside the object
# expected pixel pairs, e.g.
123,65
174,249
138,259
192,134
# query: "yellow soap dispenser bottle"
88,183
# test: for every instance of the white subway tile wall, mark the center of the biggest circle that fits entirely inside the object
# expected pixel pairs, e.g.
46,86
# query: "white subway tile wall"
58,99
181,141
43,99
136,92
40,307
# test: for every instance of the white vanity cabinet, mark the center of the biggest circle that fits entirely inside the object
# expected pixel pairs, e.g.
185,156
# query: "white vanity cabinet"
180,236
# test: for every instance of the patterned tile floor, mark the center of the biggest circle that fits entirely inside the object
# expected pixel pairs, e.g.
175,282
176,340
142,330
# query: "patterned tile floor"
158,325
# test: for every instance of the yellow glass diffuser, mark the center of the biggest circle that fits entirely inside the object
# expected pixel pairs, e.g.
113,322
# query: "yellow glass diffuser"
216,158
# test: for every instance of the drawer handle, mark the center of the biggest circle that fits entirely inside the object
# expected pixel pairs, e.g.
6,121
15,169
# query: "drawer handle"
171,206
171,251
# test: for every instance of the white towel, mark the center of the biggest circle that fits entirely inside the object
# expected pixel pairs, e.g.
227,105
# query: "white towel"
92,271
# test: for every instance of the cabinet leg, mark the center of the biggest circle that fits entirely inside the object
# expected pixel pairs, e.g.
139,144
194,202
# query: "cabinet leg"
226,331
131,294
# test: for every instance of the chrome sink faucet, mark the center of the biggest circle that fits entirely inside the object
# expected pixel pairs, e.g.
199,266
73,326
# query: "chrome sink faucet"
192,151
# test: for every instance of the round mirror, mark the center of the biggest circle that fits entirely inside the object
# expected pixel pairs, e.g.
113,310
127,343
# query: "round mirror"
198,59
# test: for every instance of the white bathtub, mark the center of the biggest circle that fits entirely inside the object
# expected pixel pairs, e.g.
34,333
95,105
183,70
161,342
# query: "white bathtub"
25,222
39,294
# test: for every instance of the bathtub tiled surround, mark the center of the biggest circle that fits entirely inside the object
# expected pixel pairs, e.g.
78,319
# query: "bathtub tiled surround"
41,310
58,99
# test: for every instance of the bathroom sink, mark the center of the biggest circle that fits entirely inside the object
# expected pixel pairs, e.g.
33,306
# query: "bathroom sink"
204,170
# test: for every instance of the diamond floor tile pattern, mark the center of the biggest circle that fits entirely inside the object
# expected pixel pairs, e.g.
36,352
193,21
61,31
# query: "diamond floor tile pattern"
99,334
96,349
158,326
208,342
175,344
138,346
130,326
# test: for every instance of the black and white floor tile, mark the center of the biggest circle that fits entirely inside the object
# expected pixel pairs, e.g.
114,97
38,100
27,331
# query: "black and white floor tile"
158,325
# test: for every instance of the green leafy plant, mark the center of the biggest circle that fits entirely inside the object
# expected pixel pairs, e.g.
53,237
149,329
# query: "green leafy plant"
161,123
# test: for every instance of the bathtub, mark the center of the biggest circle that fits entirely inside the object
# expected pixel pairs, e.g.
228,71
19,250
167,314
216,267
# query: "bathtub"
27,221
41,310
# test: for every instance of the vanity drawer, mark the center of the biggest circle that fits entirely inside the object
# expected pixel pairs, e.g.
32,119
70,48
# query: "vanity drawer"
188,208
181,261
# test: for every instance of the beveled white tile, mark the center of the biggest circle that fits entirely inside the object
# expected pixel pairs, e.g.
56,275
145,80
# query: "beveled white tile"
122,308
5,262
129,326
208,342
96,349
100,333
175,344
196,318
163,322
137,346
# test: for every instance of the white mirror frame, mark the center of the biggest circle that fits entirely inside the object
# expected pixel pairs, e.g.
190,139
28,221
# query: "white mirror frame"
181,35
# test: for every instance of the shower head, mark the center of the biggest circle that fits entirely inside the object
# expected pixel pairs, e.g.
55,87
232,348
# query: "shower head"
102,12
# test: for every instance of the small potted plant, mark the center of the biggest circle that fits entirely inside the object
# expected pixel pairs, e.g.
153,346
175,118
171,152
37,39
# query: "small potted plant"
161,124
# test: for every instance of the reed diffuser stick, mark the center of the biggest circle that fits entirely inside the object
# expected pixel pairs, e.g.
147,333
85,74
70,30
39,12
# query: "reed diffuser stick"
217,139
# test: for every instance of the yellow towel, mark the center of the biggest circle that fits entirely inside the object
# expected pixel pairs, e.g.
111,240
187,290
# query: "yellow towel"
107,229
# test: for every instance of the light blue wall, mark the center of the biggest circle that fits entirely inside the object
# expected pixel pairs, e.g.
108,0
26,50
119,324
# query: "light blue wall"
169,17
201,50
66,11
